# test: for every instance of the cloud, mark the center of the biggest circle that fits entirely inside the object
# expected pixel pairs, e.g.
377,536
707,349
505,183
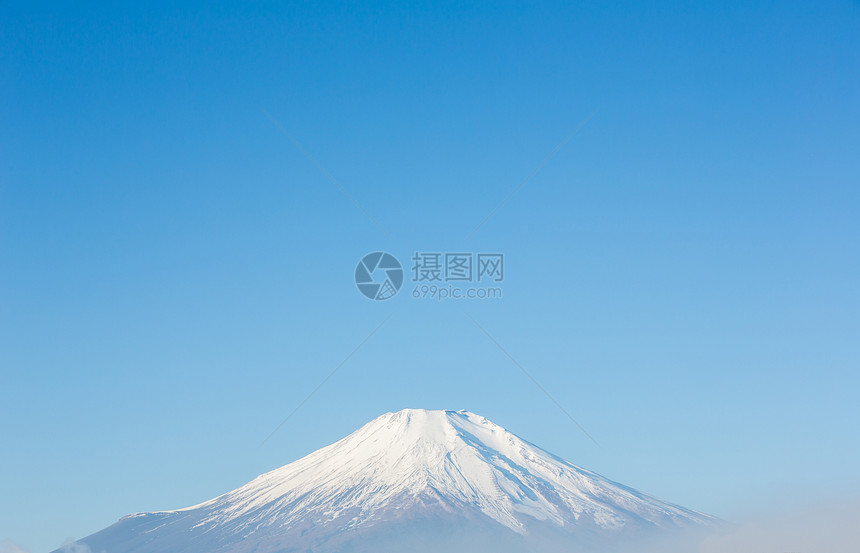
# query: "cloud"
830,528
8,546
72,546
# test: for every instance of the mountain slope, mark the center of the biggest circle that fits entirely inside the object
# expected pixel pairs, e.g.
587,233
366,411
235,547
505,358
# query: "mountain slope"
415,476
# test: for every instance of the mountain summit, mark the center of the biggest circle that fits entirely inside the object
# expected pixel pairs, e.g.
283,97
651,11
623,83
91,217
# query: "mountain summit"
414,480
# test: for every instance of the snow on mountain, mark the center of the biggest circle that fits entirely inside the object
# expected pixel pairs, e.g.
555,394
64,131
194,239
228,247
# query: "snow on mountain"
404,475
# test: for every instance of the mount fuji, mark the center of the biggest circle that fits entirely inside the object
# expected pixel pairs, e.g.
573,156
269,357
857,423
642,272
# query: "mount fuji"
416,481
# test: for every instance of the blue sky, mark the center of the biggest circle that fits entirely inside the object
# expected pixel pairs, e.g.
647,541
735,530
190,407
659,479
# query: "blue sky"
176,276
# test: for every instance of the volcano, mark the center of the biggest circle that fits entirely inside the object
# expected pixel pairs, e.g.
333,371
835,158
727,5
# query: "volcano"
415,480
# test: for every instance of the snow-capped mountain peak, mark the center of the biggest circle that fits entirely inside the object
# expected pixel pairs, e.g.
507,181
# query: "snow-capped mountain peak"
414,465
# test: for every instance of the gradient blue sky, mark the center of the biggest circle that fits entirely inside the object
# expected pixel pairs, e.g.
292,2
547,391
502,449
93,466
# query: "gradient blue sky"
175,275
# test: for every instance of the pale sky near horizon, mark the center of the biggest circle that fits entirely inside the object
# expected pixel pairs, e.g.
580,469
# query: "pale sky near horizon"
176,275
